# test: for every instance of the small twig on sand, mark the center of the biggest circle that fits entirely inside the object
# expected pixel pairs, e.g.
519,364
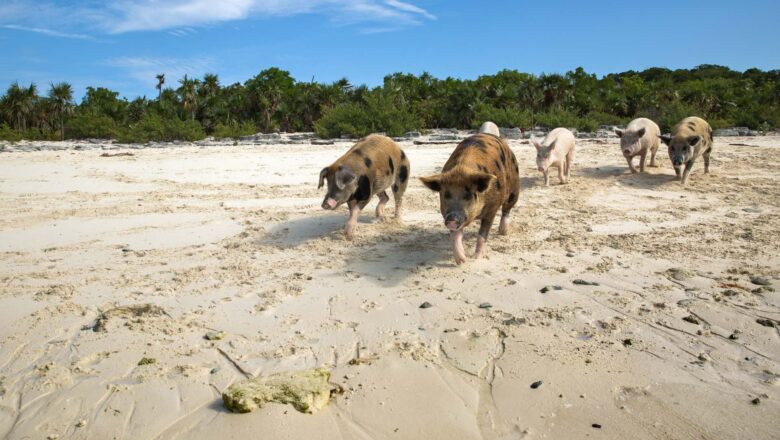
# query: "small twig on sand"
235,364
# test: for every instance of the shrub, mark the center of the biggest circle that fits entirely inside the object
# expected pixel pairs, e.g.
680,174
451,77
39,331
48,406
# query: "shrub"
8,134
558,118
381,112
503,117
234,130
154,128
90,126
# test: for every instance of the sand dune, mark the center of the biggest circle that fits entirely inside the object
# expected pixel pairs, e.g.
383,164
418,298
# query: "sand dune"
113,269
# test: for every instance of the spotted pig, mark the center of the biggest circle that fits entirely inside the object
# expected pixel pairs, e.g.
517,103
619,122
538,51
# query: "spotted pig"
480,177
371,167
691,138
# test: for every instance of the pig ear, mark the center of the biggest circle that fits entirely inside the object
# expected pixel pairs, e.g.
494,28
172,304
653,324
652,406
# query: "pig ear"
432,182
344,176
552,145
536,142
619,132
323,174
640,133
482,181
693,140
665,138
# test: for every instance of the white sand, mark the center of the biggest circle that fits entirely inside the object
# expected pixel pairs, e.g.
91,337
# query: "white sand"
232,239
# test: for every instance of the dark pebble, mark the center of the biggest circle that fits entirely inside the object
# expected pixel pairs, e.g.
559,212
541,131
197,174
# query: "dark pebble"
628,342
760,281
426,305
755,401
692,319
546,289
585,283
596,425
570,254
536,384
766,322
485,306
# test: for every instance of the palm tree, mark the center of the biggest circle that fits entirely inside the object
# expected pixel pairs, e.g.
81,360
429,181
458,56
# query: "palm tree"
61,99
210,85
188,92
20,103
160,82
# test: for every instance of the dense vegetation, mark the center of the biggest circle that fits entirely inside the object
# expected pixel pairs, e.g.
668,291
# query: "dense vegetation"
274,101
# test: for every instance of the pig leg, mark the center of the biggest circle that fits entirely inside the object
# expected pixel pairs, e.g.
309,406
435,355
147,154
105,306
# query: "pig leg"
688,168
484,230
706,156
630,160
653,163
677,172
642,159
457,246
547,178
560,172
399,187
380,208
503,225
569,163
398,194
354,213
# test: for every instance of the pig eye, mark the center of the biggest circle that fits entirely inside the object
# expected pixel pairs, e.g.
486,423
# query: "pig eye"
467,196
447,194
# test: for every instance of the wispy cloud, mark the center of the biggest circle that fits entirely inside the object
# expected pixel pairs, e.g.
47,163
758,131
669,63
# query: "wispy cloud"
144,69
44,31
408,7
121,16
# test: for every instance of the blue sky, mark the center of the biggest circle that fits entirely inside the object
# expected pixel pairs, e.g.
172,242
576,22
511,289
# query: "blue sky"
122,44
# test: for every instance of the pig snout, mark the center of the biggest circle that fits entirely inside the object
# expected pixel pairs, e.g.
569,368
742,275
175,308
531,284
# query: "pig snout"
677,161
541,169
329,203
626,152
453,222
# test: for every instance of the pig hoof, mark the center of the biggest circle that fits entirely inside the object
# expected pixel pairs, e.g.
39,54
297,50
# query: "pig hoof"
459,261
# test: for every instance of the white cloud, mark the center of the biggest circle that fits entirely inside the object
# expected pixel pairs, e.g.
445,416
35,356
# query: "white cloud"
145,69
408,7
44,31
122,16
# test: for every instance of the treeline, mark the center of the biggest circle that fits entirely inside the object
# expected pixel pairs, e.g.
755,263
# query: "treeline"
273,101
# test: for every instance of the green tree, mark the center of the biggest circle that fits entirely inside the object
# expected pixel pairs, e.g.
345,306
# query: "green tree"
188,92
61,99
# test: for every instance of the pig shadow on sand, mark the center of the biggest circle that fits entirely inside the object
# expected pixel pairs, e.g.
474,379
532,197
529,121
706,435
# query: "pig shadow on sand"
386,258
653,178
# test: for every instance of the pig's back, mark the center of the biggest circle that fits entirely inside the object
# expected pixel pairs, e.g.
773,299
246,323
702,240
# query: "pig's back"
563,137
652,131
378,158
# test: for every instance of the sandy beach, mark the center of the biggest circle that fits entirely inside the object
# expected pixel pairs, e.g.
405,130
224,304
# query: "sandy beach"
113,270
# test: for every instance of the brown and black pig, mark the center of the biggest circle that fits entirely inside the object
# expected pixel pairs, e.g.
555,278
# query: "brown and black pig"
480,177
691,138
369,168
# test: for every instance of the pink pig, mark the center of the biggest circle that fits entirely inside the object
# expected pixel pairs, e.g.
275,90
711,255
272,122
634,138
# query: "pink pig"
556,150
